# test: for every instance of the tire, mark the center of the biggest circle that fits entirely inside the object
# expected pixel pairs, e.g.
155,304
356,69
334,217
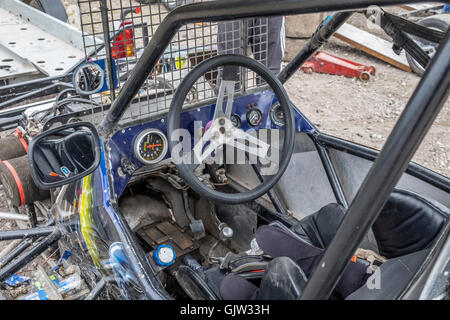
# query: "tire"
11,147
439,22
18,184
34,3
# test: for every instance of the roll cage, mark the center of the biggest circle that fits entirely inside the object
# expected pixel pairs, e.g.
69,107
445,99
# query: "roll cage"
410,129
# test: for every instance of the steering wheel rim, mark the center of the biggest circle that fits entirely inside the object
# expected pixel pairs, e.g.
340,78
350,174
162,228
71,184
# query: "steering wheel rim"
174,124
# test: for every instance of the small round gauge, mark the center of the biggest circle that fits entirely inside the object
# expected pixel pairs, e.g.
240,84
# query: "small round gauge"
254,117
164,255
236,120
150,146
277,114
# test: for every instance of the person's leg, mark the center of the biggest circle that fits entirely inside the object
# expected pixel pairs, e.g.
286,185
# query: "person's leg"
229,42
228,37
268,42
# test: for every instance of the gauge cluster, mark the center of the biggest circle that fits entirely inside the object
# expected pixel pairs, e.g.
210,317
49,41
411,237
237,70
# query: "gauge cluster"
145,143
150,145
254,117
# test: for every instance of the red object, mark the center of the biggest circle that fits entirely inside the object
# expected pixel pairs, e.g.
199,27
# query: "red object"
322,62
18,182
123,44
257,271
22,140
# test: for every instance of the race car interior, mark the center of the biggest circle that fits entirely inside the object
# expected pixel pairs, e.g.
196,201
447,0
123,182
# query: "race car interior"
203,228
188,173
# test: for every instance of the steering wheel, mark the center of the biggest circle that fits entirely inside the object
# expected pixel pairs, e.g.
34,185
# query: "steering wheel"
222,131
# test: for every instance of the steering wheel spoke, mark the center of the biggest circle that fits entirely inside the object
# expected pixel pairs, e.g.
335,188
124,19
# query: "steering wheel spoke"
226,88
259,148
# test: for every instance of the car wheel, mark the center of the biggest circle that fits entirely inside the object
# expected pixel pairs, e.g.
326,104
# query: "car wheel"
439,22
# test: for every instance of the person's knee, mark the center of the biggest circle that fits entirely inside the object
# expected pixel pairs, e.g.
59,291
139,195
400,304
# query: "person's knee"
234,287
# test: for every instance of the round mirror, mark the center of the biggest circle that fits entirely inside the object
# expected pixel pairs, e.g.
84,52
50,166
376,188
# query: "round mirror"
89,79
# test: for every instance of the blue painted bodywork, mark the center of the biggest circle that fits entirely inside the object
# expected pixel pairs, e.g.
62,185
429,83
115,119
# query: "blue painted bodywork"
122,142
126,263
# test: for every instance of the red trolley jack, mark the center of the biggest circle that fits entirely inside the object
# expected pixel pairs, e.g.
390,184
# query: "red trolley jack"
322,62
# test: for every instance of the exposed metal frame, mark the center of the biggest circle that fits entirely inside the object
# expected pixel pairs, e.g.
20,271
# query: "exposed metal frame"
392,161
107,46
321,36
31,254
406,136
211,12
390,164
26,233
332,175
414,169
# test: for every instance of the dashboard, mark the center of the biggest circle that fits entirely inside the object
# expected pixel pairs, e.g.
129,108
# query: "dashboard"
146,143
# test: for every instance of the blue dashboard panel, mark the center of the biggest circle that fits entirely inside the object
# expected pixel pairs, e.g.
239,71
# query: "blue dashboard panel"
122,142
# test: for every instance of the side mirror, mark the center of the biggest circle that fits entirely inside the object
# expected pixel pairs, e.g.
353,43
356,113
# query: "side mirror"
89,79
64,154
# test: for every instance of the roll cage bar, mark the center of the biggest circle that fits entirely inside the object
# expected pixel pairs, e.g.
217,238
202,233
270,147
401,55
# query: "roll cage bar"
406,136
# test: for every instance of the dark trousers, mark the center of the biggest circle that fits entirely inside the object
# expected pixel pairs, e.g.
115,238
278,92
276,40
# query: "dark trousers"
265,38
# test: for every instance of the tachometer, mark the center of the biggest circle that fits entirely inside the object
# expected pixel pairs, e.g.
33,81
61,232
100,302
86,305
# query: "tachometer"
150,146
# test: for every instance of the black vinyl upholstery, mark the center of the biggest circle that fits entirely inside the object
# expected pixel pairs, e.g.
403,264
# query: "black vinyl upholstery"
407,223
394,276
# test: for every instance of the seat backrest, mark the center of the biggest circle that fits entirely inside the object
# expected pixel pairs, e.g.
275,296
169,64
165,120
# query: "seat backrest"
407,223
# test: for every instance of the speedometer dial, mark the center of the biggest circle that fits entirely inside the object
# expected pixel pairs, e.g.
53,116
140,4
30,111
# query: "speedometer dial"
150,146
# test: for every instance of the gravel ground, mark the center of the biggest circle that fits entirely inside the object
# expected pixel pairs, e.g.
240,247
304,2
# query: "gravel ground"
365,112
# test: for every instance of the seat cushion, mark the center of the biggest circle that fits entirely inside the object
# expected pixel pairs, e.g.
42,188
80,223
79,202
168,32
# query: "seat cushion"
407,223
393,277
